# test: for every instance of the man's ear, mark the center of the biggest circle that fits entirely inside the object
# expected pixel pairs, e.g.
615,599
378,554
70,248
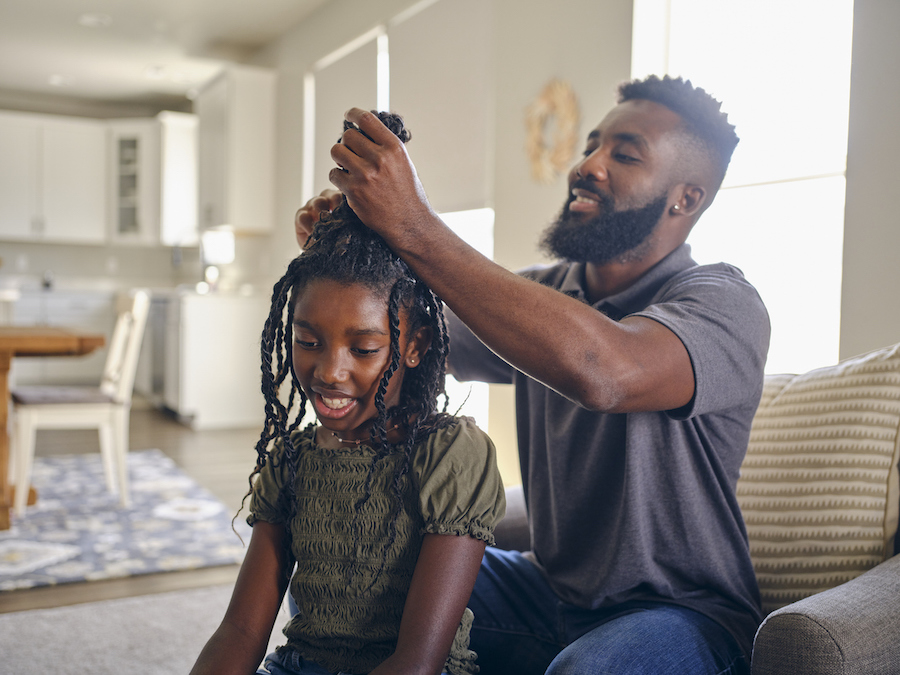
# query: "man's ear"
417,346
690,200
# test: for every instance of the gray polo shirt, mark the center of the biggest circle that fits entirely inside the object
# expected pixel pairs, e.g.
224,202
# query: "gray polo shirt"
641,506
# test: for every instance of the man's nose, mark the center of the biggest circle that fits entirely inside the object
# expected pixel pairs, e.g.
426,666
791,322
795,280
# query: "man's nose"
593,166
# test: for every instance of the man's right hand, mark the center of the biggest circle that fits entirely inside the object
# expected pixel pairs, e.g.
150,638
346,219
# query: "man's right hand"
310,213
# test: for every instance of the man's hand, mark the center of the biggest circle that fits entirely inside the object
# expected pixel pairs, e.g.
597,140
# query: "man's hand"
310,213
378,178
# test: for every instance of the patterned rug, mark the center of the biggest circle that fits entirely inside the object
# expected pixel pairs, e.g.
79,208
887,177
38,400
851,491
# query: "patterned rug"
78,531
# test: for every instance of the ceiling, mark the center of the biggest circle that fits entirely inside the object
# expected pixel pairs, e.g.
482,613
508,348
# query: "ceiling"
132,50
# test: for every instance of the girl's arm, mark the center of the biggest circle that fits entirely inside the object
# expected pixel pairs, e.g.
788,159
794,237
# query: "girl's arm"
441,585
239,643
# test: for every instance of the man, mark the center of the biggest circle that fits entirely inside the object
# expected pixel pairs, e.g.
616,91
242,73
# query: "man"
637,375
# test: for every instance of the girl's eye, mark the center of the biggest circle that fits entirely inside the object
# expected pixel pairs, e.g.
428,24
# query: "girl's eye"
365,352
305,344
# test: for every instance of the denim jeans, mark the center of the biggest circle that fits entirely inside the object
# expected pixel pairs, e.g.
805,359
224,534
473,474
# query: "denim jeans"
522,628
289,662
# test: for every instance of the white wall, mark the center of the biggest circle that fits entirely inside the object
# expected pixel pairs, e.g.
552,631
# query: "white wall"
870,311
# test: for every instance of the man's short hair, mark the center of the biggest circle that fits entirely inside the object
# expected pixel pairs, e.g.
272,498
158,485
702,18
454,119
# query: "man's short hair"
701,113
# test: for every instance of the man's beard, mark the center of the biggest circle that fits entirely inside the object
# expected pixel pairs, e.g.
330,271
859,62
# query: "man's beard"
610,235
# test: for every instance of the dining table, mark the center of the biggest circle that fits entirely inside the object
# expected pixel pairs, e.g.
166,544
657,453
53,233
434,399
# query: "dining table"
38,340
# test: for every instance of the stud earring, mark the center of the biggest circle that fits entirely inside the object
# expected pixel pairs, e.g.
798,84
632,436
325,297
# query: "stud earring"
676,207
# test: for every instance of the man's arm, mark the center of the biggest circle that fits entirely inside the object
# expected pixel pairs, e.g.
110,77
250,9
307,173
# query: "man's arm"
633,365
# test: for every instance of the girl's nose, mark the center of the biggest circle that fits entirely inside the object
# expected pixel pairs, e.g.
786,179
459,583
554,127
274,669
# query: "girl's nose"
331,368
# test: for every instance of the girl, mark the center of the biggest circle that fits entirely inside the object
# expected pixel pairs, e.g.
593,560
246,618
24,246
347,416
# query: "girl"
385,506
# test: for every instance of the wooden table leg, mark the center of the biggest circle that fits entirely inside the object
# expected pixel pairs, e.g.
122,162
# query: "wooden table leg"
5,492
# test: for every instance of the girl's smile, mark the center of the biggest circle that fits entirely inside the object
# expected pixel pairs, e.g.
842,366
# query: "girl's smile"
342,348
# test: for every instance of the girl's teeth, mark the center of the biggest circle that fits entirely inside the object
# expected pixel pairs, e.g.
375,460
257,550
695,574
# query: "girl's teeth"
336,403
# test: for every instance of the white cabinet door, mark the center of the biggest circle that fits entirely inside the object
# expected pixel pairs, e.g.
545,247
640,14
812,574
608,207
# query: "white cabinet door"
178,189
152,180
52,179
237,150
18,177
133,181
73,159
211,107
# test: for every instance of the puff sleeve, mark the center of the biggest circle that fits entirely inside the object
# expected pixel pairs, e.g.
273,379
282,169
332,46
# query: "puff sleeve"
264,501
460,489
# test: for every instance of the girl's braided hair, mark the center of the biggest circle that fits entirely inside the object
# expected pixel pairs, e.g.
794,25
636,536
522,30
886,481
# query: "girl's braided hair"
344,250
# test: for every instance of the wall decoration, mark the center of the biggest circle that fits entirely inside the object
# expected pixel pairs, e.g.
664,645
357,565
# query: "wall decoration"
555,114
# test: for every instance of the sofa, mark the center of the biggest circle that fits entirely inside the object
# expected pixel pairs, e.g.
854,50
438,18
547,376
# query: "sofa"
820,494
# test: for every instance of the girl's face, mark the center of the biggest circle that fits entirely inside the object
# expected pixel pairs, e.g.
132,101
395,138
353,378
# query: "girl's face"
342,346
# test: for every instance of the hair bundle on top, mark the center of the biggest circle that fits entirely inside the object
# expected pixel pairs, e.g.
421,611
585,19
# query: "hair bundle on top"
342,249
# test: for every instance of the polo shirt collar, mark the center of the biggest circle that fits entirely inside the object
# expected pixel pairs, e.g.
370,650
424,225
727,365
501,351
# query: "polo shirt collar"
637,296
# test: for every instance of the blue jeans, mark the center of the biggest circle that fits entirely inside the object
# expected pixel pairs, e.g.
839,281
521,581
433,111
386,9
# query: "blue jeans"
290,663
522,628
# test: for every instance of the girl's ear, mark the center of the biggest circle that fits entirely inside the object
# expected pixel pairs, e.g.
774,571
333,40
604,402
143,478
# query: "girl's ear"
417,346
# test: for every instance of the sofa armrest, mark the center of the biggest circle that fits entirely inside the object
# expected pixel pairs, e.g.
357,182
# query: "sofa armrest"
852,629
512,532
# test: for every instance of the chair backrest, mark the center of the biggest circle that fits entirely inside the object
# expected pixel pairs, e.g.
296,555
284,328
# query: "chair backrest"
124,348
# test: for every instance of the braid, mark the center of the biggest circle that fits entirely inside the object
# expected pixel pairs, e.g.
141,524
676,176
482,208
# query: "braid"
344,250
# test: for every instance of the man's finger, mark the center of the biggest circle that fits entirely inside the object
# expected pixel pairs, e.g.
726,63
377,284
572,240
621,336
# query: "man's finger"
371,126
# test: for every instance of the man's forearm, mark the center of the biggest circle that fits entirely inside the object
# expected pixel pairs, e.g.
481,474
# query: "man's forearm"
555,339
565,344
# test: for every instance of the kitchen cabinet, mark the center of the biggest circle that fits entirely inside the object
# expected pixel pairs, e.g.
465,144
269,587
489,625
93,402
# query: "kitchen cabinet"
153,180
236,110
211,378
52,179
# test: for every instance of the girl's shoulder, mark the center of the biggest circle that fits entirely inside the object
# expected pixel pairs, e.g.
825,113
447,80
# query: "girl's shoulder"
454,439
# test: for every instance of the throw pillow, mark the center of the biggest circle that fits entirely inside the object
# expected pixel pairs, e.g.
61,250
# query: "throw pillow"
819,487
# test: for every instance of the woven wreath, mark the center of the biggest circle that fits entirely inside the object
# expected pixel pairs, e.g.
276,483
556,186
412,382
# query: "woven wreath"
556,104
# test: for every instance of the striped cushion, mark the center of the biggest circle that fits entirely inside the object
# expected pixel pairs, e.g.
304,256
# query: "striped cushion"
819,488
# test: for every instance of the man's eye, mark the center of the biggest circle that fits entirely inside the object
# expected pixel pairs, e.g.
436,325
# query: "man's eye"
628,159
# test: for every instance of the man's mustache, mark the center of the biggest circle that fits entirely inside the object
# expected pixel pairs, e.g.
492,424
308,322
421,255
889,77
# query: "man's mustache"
589,186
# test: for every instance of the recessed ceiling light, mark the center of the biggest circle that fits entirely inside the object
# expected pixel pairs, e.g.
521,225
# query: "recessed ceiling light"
58,80
95,20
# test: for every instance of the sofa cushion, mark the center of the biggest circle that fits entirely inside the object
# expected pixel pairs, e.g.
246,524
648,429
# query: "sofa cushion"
819,487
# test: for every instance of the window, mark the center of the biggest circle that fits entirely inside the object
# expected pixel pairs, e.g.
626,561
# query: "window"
476,227
782,71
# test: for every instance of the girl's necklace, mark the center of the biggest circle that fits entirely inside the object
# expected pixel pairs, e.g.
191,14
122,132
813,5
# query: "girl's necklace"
360,441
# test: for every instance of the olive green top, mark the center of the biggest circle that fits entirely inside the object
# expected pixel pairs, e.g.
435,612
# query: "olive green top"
350,583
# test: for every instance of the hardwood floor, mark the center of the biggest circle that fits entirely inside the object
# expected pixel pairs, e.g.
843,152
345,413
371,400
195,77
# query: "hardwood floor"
219,460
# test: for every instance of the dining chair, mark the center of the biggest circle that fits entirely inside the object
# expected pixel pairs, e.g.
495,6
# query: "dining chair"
106,408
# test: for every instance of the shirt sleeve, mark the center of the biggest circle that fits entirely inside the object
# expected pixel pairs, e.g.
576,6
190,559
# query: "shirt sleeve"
460,489
264,503
470,360
723,324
